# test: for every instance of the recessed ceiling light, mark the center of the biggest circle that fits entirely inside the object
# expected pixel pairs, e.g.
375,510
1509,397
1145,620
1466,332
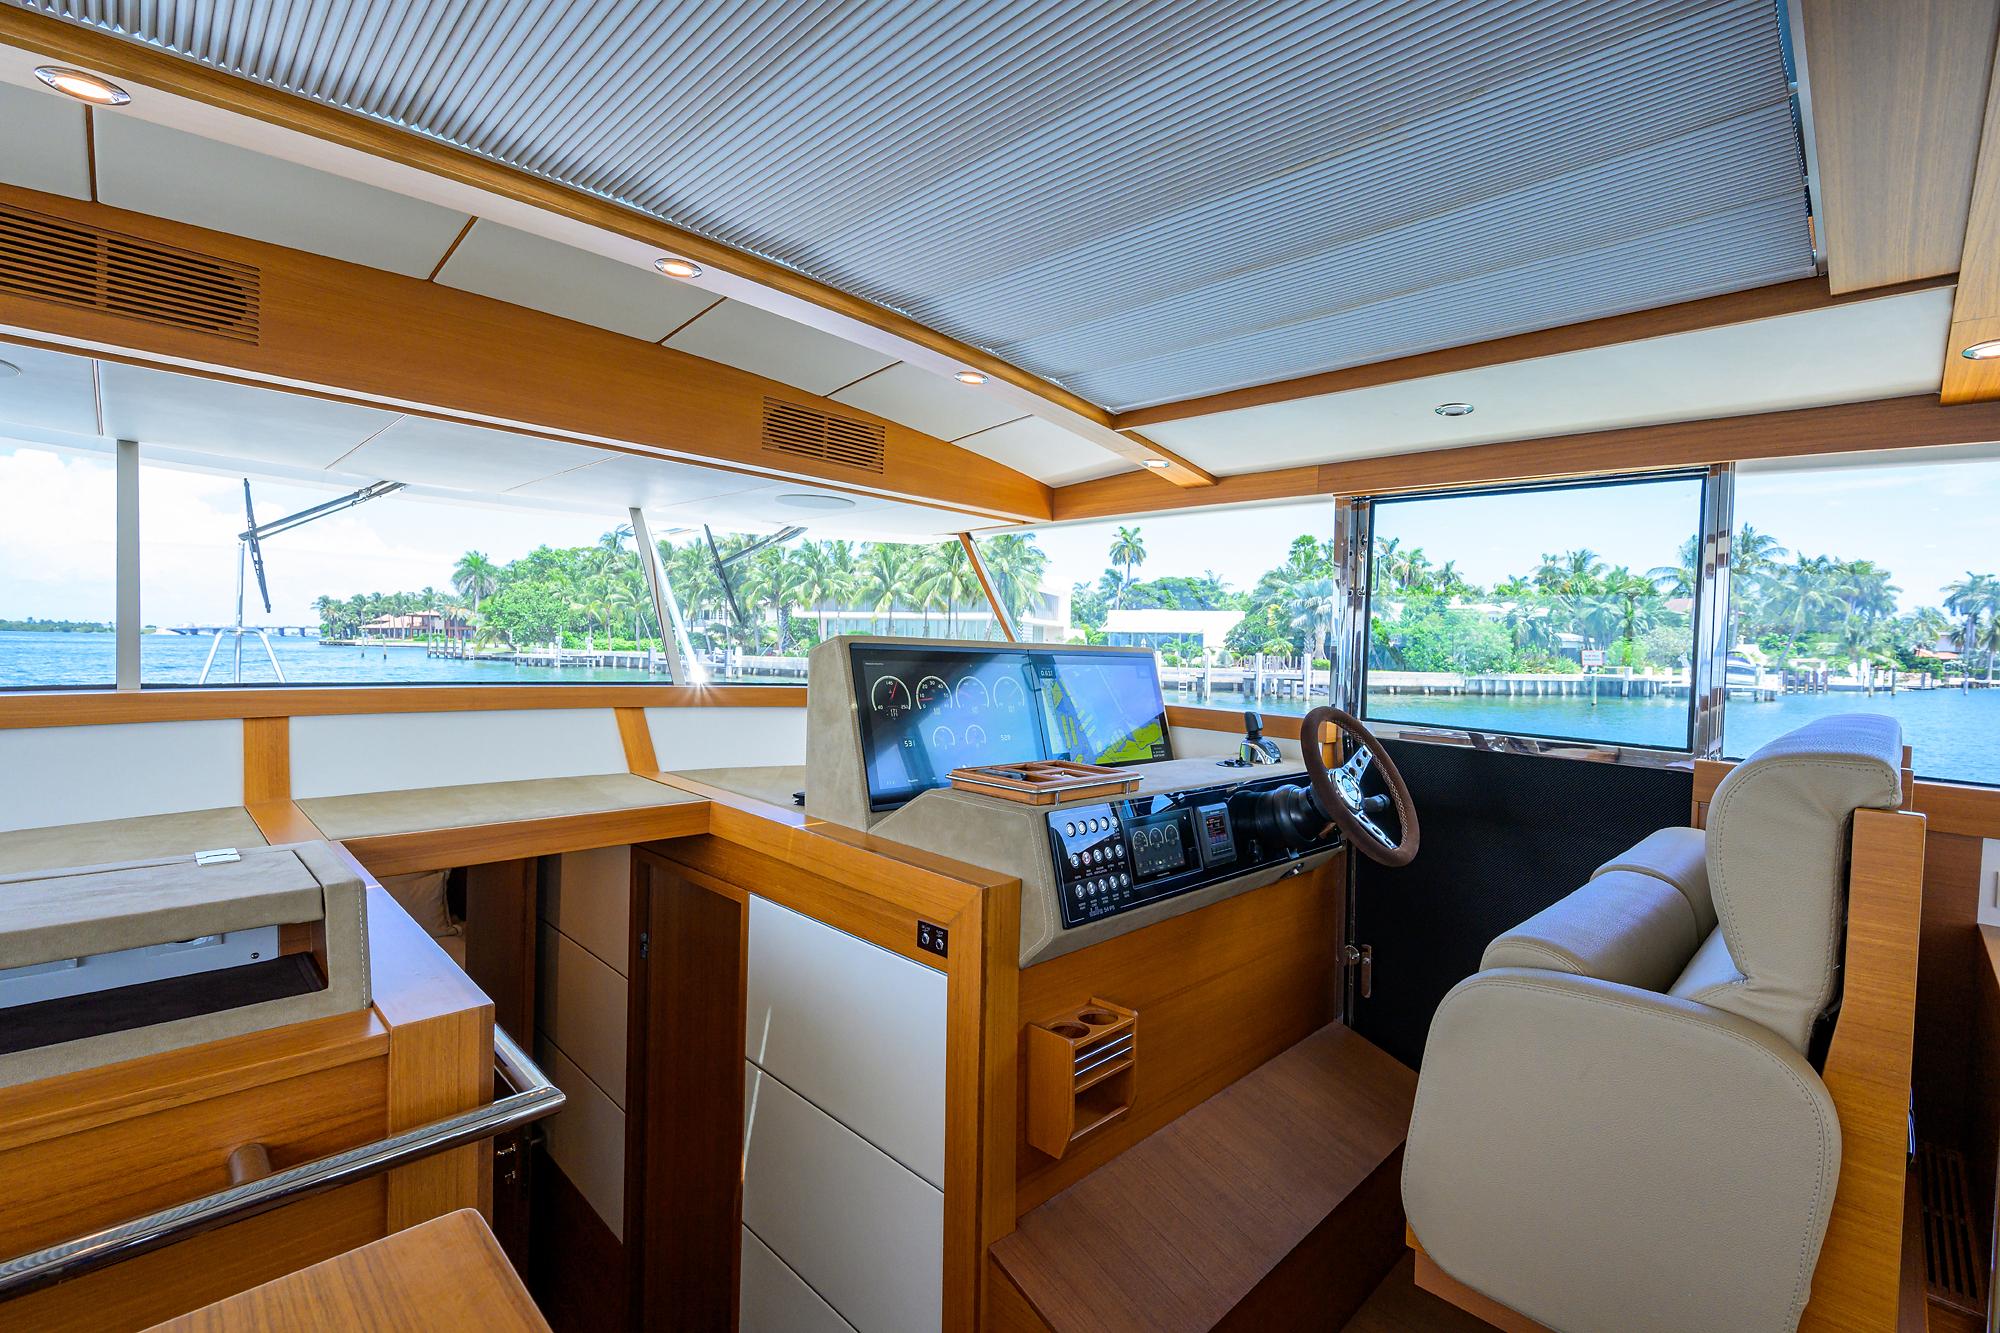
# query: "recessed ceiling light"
1453,409
1986,351
83,87
8,370
1157,464
675,267
820,502
969,377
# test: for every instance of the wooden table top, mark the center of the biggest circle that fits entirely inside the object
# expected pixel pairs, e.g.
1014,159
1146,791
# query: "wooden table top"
443,1275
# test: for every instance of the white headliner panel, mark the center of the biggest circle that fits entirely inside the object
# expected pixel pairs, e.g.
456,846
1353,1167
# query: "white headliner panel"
466,458
52,392
42,146
1847,353
618,481
1044,450
151,169
766,344
933,404
214,416
547,275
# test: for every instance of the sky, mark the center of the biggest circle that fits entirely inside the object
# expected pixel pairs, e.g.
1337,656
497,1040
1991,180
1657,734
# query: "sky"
1928,524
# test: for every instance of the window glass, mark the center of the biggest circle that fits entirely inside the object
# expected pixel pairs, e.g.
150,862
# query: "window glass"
1563,612
397,589
755,607
58,567
1239,603
1870,587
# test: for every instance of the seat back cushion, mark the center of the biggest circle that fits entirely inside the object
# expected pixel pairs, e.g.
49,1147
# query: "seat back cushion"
1777,866
1622,926
1680,857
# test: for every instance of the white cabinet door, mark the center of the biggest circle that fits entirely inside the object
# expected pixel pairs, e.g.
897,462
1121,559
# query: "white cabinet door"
861,1229
857,1030
776,1300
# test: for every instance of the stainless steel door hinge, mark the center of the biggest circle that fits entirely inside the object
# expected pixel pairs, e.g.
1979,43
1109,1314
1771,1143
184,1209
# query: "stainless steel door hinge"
645,944
1363,956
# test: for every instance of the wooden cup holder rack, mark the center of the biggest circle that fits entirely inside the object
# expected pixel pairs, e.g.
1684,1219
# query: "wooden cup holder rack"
1080,1073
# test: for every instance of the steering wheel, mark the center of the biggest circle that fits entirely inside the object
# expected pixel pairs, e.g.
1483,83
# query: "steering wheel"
1338,794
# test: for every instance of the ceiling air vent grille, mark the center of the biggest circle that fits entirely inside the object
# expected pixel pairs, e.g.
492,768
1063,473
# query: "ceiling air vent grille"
806,433
73,264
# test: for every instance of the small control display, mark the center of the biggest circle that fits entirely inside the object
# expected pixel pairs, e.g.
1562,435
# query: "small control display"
1160,844
1218,843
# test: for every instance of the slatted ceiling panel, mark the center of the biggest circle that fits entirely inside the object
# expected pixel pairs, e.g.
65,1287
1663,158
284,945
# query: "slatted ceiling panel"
1684,180
1121,197
1723,253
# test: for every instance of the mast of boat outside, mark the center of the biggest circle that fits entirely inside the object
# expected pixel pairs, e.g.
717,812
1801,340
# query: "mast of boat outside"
250,549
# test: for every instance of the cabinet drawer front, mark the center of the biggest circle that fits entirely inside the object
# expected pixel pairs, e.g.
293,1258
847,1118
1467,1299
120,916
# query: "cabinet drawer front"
774,1299
856,1030
863,1230
58,1188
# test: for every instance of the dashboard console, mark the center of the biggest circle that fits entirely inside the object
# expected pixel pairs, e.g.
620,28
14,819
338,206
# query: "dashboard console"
888,719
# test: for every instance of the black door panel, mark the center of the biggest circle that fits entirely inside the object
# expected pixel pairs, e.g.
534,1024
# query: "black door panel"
1504,835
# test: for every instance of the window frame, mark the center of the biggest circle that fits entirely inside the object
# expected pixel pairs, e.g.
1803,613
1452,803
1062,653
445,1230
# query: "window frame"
1703,731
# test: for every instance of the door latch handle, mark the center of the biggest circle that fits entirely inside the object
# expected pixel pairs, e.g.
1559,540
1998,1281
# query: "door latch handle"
1363,957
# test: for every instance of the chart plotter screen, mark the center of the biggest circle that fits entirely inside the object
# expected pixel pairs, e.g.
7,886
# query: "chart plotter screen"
926,710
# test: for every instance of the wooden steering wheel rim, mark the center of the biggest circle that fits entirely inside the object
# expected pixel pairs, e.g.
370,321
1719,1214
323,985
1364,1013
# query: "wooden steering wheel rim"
1361,832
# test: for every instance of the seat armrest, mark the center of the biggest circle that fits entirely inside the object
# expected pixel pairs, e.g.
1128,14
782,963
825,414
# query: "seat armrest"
1596,1156
1622,926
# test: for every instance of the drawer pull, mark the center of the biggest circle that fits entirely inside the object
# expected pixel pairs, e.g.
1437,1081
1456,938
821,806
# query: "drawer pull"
250,1162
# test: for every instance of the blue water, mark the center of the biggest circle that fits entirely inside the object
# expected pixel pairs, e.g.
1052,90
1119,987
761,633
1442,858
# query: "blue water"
1953,734
173,659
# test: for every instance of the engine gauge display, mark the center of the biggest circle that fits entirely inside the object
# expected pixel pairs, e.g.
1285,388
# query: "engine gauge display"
1160,844
932,692
889,696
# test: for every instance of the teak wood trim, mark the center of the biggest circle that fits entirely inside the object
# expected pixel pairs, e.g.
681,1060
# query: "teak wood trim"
1895,169
365,335
1917,421
477,844
1857,1283
1975,312
448,1274
282,822
1785,298
267,760
684,1095
637,738
1431,1278
154,68
982,1068
89,708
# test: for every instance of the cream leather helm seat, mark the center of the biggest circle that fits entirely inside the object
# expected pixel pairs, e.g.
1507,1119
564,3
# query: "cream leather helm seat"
1617,1124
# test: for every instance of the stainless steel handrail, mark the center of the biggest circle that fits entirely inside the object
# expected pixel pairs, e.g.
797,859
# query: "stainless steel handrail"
534,1096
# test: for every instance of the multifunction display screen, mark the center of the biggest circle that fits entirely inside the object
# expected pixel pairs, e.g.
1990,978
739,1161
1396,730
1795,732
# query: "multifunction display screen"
1160,844
926,710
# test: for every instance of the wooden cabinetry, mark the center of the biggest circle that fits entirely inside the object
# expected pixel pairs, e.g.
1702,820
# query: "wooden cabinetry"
100,1146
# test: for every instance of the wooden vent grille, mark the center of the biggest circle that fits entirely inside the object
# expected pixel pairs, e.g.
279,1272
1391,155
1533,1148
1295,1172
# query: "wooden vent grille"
806,433
74,264
1954,1262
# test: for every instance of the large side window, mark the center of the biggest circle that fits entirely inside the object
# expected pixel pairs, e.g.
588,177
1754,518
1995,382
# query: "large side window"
1875,587
1565,612
398,588
58,567
1239,603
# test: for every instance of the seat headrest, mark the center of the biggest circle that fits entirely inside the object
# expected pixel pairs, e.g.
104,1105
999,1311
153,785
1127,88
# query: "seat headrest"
1777,859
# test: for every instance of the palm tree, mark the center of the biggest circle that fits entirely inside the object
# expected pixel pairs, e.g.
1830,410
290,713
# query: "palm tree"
1972,597
1128,552
884,576
829,576
475,577
1017,565
1314,604
1678,580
